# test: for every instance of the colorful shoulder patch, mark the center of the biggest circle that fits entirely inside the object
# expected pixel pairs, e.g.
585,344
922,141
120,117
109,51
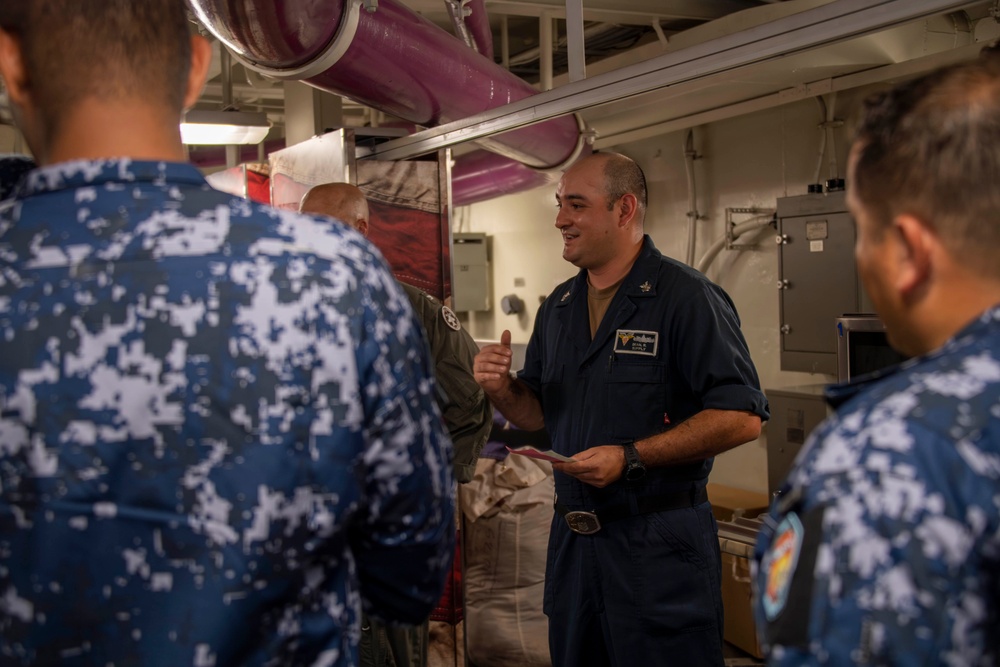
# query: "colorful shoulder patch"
637,342
450,318
779,565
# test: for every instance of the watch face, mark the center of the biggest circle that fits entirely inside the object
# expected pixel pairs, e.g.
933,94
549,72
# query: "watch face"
634,472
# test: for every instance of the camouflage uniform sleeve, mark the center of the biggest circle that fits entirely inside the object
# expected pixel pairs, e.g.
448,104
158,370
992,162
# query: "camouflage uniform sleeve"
405,547
466,409
878,564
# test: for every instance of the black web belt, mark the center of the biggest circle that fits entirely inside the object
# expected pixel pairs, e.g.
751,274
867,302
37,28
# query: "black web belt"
588,523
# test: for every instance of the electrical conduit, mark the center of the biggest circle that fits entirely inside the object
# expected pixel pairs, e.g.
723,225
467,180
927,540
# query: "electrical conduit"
690,155
739,230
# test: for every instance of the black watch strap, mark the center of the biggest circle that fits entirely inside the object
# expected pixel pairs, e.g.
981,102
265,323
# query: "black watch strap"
634,469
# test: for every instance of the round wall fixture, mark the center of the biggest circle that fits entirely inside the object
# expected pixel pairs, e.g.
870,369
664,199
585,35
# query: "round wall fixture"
511,304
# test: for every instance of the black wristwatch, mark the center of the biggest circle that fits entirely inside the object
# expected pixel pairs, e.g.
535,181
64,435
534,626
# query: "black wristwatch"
634,469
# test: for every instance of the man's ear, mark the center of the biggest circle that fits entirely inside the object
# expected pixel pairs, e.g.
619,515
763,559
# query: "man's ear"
362,226
12,69
917,245
201,58
629,204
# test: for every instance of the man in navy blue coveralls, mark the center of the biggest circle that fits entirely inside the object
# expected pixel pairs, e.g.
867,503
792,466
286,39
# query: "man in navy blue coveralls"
638,370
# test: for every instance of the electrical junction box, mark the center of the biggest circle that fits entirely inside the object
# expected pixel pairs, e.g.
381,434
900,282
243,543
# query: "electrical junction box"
817,279
470,276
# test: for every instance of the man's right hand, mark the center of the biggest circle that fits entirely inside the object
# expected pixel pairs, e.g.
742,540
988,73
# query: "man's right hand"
492,366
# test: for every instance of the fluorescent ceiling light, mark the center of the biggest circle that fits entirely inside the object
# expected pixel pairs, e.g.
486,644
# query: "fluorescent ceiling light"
224,127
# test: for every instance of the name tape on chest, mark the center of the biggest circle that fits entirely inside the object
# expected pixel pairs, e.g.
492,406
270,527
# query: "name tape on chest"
637,342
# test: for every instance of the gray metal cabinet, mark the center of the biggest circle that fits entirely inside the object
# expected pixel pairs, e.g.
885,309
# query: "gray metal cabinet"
795,413
470,272
817,279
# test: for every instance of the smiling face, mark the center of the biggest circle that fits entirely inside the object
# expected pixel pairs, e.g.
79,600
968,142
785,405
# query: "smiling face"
587,225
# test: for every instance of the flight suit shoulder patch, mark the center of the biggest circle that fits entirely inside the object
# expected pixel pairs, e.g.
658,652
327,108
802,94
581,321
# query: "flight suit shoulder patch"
450,318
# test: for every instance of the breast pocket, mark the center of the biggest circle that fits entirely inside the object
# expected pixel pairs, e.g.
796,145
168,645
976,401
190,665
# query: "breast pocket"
553,390
636,399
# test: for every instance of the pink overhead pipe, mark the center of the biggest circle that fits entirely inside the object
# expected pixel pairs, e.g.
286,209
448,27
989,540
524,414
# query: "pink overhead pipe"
482,175
472,25
478,23
391,59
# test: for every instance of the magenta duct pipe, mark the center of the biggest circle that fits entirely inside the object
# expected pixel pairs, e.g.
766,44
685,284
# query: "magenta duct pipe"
215,156
473,29
478,23
390,59
482,175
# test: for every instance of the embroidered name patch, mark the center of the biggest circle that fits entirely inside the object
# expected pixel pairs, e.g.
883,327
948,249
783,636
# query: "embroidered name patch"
637,342
779,565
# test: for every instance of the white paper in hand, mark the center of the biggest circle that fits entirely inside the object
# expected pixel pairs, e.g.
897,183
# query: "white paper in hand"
543,454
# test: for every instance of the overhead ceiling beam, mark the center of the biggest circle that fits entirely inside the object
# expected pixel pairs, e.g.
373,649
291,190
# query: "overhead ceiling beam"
637,12
830,23
575,41
835,84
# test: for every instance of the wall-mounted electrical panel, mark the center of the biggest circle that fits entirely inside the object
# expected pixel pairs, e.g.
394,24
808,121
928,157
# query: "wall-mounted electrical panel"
470,276
817,279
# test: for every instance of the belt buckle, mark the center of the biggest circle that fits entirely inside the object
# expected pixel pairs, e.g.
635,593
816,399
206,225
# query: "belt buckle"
583,523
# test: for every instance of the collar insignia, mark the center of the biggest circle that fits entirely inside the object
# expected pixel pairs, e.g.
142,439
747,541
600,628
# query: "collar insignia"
645,287
564,297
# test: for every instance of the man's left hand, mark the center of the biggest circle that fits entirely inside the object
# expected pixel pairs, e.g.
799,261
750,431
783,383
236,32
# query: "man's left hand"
597,466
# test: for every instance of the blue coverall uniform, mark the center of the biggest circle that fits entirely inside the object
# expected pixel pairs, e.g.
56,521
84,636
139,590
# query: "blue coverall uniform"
645,589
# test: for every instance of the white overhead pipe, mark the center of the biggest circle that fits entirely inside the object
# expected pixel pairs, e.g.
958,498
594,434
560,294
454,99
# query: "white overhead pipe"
575,43
822,139
831,122
690,155
545,46
756,222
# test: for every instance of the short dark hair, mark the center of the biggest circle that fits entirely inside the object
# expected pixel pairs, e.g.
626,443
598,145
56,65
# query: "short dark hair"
623,176
110,49
929,148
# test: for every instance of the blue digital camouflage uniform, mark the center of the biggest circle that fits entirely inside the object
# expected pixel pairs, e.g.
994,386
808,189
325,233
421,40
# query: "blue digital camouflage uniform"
884,545
218,436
